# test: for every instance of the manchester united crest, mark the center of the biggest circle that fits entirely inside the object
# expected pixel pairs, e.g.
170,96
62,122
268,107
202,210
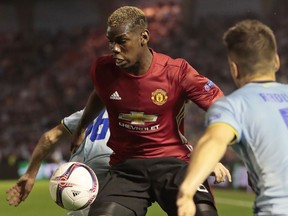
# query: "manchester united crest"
159,97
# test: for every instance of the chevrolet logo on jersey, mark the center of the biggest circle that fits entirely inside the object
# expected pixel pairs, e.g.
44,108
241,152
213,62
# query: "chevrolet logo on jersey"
137,118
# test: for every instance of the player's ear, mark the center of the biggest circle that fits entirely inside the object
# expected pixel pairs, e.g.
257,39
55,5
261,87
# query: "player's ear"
145,35
276,63
233,68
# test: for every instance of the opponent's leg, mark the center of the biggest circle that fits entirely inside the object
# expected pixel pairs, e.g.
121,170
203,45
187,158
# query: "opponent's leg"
111,209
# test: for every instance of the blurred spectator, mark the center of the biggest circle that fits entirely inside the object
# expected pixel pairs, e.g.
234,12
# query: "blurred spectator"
47,77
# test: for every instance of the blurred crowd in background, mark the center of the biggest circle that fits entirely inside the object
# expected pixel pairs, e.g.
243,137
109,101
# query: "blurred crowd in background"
46,76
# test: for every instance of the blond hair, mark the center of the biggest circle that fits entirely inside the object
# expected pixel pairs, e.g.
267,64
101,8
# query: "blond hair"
128,15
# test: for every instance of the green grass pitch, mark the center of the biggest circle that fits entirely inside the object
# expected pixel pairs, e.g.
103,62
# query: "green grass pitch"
39,203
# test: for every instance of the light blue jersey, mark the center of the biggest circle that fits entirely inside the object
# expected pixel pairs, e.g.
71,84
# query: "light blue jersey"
258,113
94,152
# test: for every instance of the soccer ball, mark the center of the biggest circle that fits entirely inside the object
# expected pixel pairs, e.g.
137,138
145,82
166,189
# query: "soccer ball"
73,186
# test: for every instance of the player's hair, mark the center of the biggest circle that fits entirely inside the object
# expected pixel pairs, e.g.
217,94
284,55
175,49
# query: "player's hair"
128,15
251,45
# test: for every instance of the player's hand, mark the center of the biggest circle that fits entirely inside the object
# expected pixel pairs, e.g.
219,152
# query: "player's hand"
20,191
185,203
221,173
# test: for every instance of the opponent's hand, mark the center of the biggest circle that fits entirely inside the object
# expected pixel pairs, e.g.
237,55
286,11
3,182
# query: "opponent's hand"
185,203
221,173
20,191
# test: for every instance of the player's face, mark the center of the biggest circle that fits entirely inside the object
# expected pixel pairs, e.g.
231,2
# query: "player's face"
125,44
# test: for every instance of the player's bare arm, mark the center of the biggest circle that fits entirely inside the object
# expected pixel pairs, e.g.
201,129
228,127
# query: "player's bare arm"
210,148
92,109
48,141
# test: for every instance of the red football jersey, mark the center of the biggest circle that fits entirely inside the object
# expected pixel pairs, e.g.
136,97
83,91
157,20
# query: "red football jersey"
146,112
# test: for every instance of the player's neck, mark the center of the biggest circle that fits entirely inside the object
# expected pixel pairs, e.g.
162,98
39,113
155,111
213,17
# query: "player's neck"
143,65
260,79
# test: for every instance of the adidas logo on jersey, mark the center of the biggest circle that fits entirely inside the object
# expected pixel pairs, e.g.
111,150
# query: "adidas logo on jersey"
115,96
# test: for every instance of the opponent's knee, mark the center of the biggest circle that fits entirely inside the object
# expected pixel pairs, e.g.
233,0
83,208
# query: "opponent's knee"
110,209
204,209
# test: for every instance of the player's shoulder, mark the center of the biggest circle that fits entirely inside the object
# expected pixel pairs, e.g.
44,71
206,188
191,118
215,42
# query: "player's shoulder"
238,98
75,115
166,60
102,64
104,60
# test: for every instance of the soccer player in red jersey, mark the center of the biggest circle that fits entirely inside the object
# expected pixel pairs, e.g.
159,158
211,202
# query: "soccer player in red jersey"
145,93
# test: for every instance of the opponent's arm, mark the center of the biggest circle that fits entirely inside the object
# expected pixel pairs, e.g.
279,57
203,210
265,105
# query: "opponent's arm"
92,109
20,191
210,149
